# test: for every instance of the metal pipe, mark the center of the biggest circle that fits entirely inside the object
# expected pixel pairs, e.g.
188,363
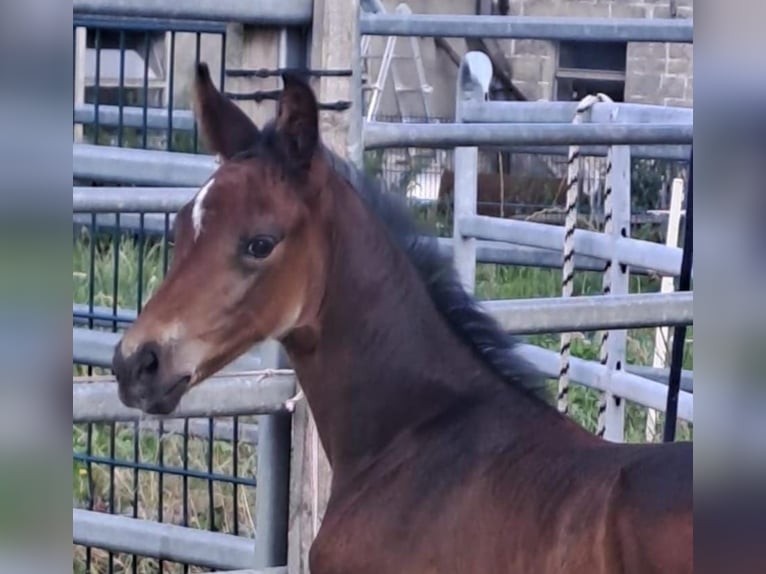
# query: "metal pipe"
660,258
592,313
670,152
263,12
660,375
90,347
529,27
133,116
140,167
273,470
591,374
502,253
443,136
161,541
261,392
563,112
131,199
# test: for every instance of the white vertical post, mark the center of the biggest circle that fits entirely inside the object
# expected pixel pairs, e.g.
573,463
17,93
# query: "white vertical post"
474,77
619,181
79,78
662,335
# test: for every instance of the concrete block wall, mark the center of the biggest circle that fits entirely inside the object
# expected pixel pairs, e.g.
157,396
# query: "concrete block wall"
655,73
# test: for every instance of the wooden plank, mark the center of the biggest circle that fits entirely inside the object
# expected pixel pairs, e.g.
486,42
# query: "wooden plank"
253,47
310,479
336,46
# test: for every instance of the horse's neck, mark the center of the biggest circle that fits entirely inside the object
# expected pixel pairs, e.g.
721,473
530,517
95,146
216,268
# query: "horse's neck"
384,359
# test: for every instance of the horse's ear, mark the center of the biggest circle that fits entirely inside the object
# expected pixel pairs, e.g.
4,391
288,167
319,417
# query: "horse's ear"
298,121
225,128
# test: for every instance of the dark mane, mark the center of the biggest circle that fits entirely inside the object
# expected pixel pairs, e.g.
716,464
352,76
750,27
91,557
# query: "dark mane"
461,310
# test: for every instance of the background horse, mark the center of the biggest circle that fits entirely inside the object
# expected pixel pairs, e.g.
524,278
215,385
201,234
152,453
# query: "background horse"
446,455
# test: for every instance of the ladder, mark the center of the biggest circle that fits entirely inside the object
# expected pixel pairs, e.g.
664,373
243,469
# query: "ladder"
412,101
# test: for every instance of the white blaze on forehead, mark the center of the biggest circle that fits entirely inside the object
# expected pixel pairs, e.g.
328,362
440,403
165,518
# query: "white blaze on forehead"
198,210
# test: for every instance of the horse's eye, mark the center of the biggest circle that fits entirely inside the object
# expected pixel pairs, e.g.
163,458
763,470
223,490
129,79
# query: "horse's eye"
261,246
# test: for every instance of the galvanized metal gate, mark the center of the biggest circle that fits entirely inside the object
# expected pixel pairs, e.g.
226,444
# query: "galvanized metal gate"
209,489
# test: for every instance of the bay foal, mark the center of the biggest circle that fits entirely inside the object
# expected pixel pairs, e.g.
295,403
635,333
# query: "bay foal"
446,458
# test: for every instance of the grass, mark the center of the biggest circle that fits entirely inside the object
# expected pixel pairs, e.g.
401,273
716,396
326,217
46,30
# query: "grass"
201,503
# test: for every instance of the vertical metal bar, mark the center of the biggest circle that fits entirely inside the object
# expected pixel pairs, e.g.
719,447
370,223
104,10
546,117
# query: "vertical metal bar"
235,420
136,426
171,88
272,477
197,53
145,110
614,417
91,299
97,86
115,307
679,333
473,81
121,90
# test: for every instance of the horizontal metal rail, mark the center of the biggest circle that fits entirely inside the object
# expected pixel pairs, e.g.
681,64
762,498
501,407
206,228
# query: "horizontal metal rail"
140,167
662,375
130,199
443,136
143,24
591,374
593,313
161,540
670,152
529,27
265,12
257,393
564,112
95,348
133,117
663,259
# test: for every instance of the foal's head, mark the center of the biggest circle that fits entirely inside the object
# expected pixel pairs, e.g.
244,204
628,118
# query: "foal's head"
249,259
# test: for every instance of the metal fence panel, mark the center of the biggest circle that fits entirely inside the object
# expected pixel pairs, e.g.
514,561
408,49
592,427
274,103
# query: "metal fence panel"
592,313
161,541
382,134
649,255
590,373
530,27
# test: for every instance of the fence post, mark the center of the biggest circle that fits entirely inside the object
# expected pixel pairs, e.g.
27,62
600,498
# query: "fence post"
80,49
473,81
618,179
272,476
253,47
335,45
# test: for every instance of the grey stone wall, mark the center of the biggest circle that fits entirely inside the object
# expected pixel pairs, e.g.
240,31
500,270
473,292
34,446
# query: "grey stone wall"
655,73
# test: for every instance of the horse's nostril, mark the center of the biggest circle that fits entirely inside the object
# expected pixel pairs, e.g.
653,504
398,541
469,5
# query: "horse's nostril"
148,361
